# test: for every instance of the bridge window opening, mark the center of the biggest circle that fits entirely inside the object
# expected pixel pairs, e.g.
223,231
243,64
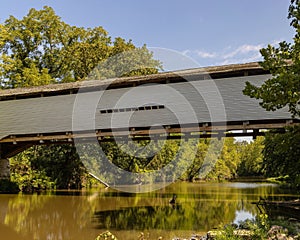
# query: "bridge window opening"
134,109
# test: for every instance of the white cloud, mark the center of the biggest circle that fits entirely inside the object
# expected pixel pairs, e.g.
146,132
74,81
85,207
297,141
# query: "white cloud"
199,53
244,49
204,54
229,55
254,57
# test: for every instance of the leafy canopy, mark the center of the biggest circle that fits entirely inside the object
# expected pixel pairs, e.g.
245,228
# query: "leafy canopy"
283,89
41,49
282,155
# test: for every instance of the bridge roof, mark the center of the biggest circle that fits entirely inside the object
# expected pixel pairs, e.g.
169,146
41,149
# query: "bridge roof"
214,72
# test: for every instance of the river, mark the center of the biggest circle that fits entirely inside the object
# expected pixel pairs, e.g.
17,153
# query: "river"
84,214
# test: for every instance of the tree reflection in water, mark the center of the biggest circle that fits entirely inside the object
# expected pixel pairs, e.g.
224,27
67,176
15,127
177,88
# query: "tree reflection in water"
198,208
49,216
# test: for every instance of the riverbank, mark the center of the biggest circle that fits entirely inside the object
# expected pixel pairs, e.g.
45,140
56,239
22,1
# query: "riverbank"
259,228
275,232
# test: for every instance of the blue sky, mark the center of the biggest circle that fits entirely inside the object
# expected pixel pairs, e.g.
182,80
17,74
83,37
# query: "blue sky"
211,32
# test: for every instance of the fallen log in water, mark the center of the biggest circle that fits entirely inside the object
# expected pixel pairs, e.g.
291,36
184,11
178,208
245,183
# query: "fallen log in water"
289,209
295,204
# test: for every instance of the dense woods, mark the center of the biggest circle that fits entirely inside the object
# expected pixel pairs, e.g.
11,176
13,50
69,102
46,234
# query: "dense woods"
60,166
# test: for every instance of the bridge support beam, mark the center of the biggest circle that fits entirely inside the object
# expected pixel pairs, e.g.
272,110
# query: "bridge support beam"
4,168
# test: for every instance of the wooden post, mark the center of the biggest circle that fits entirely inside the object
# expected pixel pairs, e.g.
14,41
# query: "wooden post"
4,169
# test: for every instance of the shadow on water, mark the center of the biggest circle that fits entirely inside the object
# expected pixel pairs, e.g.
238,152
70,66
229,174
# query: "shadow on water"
141,218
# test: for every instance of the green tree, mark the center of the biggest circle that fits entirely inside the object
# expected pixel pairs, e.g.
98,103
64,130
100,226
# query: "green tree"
141,156
40,49
227,162
283,62
194,169
282,155
61,163
28,177
251,158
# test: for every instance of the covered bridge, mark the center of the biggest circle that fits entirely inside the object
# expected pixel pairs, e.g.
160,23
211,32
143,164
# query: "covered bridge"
203,102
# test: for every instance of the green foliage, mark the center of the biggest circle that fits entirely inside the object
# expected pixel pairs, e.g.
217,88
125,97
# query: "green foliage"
227,234
282,155
45,168
193,170
283,89
40,49
106,235
262,221
125,60
27,177
257,229
134,157
262,227
61,164
251,158
227,161
208,159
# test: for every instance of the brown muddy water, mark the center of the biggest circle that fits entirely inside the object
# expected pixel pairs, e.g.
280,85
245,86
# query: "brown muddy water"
82,215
